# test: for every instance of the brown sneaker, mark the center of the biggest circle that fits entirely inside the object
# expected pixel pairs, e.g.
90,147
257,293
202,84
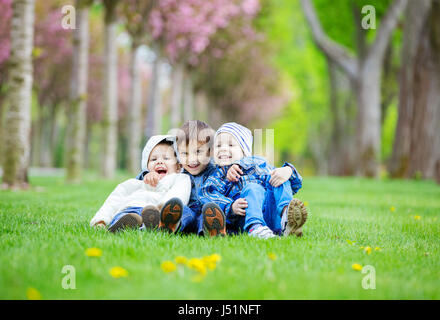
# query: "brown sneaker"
151,217
170,215
296,217
214,220
129,221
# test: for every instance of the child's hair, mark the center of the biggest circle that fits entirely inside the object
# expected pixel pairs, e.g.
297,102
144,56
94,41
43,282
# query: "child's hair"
195,130
170,144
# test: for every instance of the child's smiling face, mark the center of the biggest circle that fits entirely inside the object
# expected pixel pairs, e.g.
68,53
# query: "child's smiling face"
226,149
194,156
163,160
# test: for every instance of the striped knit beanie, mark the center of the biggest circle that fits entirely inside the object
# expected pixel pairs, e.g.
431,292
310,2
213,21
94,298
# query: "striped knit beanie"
242,134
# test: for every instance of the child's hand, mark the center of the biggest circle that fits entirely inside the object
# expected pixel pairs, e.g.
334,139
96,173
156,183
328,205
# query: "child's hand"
152,178
234,173
280,175
239,206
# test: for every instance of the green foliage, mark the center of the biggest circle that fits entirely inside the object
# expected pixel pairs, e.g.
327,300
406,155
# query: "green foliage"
388,131
305,72
306,119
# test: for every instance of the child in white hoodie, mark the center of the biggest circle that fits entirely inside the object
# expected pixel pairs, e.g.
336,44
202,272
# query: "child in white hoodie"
134,203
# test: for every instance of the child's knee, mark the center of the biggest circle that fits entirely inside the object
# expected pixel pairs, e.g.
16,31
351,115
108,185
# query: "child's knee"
253,188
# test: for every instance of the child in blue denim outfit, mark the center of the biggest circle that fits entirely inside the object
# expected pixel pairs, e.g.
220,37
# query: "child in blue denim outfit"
194,140
255,196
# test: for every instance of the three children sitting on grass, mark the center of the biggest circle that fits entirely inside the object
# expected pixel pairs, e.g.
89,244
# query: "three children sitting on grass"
237,192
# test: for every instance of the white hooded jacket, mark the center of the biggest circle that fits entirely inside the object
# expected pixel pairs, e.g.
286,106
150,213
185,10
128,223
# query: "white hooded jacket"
136,193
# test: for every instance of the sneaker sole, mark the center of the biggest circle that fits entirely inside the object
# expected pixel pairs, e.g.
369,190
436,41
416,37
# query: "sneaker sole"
150,217
170,215
214,220
129,221
296,217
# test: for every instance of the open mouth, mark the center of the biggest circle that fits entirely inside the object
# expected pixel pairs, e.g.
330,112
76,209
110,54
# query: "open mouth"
224,157
194,166
161,171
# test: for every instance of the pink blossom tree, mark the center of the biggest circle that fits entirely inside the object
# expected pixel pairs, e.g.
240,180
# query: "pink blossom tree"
52,60
5,44
133,13
184,29
238,77
76,125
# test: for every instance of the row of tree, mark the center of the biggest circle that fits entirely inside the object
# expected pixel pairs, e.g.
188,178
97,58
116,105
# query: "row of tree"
201,40
226,60
416,148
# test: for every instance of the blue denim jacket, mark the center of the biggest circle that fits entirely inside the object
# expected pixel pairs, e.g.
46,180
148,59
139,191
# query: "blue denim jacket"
255,169
197,181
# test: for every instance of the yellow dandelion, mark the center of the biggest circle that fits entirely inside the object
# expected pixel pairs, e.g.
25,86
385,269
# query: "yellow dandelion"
417,217
181,260
118,272
367,250
93,252
306,203
272,256
197,265
377,249
210,262
168,266
356,266
392,208
215,257
33,294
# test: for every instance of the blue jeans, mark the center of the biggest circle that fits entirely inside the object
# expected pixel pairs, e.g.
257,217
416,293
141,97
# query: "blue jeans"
265,205
191,221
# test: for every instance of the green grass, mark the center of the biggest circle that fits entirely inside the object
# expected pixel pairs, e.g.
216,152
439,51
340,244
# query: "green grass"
46,228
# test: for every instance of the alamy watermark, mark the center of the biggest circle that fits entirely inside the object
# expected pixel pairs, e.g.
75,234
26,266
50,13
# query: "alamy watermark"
69,17
69,280
369,19
369,281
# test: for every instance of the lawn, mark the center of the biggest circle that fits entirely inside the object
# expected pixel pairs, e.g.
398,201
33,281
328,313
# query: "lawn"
47,228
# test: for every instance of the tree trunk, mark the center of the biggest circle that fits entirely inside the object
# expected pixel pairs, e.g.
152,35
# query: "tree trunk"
416,15
188,97
110,106
134,123
78,97
154,119
425,142
215,115
88,139
368,134
176,95
45,149
201,103
365,71
18,116
341,105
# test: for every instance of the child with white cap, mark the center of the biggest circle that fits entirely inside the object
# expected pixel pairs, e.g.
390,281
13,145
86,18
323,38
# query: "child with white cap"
255,196
134,203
